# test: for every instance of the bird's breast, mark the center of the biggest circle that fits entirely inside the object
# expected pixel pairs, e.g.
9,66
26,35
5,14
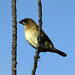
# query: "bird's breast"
31,36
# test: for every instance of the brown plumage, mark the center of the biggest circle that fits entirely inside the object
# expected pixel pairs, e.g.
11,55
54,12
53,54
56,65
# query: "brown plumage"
31,34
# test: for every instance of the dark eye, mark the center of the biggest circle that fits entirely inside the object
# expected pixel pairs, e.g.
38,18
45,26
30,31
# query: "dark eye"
26,20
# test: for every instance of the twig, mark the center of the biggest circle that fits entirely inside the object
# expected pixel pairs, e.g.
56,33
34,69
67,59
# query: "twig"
14,38
39,38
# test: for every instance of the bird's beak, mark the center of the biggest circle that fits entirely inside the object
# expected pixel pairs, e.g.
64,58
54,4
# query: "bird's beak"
21,22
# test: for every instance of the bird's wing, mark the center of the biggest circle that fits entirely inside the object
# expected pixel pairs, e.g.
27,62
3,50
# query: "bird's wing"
45,38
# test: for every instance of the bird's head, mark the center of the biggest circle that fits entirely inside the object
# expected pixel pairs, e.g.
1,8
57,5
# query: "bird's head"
27,22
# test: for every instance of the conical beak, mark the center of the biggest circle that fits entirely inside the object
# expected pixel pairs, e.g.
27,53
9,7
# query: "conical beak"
21,22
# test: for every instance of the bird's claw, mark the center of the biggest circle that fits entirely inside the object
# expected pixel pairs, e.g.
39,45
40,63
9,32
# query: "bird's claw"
36,59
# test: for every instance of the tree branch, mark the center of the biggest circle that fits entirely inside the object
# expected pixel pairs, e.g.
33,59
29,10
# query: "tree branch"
14,37
39,38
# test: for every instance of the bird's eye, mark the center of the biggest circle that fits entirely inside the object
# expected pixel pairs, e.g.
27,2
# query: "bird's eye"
26,20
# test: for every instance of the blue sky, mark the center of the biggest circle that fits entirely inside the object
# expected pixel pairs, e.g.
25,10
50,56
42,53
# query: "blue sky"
58,24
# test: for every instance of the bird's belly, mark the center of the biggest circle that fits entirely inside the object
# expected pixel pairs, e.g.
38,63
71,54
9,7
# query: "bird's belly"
31,37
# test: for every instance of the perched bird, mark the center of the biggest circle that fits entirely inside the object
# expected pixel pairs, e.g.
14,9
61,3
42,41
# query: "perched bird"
31,35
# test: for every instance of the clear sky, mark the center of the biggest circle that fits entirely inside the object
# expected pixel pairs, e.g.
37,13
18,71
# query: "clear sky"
58,24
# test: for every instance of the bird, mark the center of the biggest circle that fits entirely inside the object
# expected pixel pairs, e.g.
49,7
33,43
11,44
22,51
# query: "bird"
31,35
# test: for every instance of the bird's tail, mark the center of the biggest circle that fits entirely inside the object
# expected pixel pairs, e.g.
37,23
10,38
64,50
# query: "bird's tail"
59,52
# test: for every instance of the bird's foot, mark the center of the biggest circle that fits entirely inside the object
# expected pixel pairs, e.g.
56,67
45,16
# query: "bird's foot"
36,58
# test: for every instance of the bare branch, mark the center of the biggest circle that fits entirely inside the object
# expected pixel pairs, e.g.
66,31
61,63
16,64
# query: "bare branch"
14,37
39,38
